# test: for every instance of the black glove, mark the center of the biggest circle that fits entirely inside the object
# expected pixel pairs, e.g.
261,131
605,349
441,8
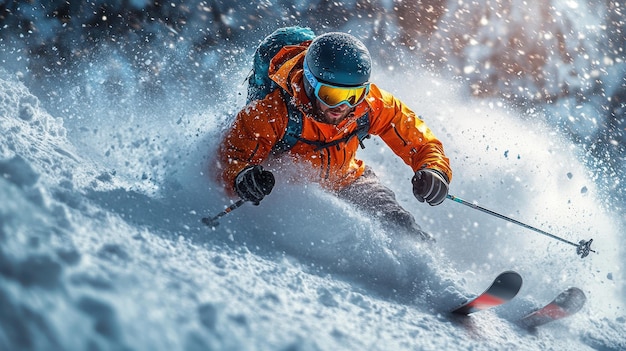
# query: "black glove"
430,185
253,183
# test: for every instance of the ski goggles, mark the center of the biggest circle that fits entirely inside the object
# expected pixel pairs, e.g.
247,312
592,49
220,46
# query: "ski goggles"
332,95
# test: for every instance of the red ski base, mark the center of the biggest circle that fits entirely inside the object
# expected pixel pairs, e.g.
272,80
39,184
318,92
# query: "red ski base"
503,289
564,305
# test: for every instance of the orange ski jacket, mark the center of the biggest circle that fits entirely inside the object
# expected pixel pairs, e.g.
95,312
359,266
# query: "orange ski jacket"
262,123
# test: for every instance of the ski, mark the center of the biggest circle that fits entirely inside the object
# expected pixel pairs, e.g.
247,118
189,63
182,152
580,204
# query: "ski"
503,289
564,305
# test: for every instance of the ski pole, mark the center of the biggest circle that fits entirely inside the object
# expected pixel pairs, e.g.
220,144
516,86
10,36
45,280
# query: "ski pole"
582,248
212,222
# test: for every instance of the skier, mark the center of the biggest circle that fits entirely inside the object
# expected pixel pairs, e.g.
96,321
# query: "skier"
325,84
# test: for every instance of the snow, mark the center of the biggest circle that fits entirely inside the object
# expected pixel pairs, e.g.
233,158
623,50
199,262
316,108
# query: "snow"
101,245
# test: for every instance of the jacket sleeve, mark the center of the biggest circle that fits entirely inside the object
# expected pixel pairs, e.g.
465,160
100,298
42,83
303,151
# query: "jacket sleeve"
249,141
406,134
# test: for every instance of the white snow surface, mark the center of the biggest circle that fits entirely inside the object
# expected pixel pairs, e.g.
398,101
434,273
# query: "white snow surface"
101,245
102,192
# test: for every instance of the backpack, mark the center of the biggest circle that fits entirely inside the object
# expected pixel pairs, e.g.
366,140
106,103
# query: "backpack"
260,85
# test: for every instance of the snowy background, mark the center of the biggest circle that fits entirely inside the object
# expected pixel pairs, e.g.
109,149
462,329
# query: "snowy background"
109,115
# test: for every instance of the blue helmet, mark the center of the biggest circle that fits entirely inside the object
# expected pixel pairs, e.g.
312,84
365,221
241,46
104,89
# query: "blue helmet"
338,59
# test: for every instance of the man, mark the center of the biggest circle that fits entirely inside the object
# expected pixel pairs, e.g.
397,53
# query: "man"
326,81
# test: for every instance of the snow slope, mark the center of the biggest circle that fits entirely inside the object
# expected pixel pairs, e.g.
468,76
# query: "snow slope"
101,247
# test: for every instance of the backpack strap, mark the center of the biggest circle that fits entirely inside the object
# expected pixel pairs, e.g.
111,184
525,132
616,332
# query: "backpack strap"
294,126
363,127
293,131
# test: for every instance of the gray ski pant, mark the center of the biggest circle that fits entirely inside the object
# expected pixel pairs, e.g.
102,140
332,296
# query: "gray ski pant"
369,195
